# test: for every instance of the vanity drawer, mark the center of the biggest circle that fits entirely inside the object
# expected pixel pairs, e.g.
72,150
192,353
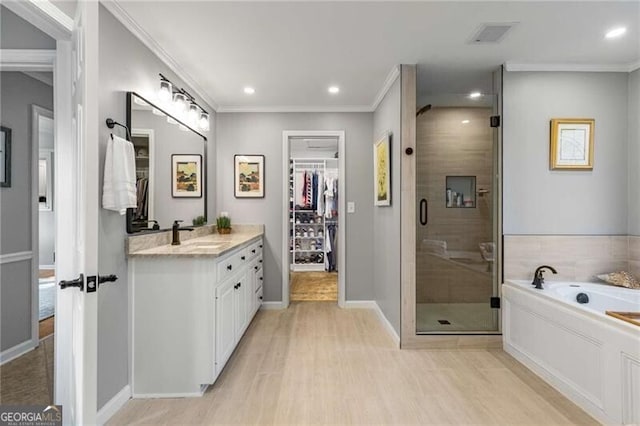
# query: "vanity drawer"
255,249
259,279
228,266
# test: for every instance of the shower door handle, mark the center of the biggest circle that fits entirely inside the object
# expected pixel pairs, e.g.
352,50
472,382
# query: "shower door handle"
424,212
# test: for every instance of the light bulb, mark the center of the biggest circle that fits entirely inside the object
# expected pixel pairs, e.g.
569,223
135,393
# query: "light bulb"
193,115
204,121
180,105
165,92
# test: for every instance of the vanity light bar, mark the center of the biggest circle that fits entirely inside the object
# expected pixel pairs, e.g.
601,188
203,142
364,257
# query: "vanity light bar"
182,91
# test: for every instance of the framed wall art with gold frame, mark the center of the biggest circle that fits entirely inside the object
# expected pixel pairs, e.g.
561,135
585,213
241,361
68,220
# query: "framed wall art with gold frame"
571,144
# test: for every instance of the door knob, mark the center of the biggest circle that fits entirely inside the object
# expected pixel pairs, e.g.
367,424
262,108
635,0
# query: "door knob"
78,282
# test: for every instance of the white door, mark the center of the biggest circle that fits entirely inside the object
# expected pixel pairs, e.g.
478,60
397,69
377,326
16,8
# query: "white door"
76,205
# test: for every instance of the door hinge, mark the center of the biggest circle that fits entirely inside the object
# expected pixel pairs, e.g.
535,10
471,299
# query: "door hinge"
495,121
495,302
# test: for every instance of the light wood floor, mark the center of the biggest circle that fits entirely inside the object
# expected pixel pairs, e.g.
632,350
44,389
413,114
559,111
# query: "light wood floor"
314,286
47,273
29,378
315,363
46,327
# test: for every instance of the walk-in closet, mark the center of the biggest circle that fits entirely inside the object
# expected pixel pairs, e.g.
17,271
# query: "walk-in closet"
313,218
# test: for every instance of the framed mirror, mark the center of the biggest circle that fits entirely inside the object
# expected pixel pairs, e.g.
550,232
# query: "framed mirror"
5,157
158,138
45,181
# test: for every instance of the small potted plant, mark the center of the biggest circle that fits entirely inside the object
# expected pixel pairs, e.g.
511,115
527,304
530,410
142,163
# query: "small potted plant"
199,221
223,223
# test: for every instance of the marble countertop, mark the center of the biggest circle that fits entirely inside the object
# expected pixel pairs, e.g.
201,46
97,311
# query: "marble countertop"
210,245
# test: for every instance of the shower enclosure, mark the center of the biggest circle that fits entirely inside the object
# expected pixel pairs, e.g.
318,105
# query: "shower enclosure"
456,232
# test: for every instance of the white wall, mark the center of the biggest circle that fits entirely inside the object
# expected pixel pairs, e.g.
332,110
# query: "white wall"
540,201
386,220
261,133
125,65
17,93
634,153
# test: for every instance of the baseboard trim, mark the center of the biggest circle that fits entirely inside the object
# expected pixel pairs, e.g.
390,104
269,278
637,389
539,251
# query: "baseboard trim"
17,351
113,405
271,305
168,395
373,305
387,325
360,304
47,266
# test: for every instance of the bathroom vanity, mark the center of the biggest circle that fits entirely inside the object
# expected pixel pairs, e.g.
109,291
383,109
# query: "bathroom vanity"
190,306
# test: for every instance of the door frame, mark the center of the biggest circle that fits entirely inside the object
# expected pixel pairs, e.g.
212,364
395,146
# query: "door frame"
342,222
150,134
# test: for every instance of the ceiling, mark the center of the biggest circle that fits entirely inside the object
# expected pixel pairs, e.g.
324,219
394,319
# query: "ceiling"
291,52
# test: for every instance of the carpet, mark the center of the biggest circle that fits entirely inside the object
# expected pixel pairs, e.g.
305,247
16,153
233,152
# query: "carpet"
314,286
47,291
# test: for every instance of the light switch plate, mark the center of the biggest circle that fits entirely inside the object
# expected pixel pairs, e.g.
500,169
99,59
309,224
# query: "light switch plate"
351,207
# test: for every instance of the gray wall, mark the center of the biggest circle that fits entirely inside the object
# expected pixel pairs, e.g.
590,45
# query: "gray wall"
168,140
386,220
540,201
261,133
17,93
16,33
634,153
125,65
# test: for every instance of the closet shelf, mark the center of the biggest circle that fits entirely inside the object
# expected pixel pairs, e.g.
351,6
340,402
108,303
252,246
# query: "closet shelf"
311,238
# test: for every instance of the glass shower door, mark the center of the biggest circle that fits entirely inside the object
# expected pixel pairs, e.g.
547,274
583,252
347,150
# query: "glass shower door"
456,277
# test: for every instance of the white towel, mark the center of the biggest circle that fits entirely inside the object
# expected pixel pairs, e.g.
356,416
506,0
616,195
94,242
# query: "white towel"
119,187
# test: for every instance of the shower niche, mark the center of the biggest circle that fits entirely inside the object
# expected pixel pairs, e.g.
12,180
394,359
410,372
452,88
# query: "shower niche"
460,192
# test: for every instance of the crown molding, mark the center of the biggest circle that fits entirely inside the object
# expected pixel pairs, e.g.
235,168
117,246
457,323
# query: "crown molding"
295,108
388,82
634,66
121,15
44,15
517,67
27,59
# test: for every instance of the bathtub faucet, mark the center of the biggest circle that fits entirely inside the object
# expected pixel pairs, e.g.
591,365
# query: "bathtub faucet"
538,278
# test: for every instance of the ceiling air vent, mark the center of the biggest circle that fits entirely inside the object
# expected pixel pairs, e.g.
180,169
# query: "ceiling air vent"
492,33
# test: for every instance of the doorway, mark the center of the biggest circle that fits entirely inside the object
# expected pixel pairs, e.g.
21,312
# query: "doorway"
313,237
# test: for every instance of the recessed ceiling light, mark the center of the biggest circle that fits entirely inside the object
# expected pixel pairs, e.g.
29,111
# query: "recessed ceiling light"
334,89
249,90
616,32
475,95
465,122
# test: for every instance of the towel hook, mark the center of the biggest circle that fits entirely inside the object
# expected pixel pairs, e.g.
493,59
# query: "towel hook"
111,123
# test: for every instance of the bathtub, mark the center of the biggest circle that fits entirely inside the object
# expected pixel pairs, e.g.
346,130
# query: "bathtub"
590,357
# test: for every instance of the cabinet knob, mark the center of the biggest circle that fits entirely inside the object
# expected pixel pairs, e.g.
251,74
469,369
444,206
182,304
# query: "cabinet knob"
260,278
253,251
243,257
260,260
255,267
260,297
229,267
239,285
260,246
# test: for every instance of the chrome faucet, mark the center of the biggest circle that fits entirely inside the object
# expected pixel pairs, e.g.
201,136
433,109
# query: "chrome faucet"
175,241
538,278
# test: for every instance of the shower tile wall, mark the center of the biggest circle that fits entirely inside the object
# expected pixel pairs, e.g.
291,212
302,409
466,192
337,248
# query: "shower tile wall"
447,147
576,257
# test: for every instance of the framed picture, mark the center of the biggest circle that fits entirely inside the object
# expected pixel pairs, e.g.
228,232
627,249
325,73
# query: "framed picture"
5,157
382,171
186,176
571,144
249,176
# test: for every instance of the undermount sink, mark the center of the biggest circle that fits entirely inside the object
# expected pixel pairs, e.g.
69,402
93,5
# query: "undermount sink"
209,244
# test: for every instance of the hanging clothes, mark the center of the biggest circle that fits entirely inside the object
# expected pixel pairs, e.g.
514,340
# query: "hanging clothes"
299,188
329,198
314,191
320,195
308,189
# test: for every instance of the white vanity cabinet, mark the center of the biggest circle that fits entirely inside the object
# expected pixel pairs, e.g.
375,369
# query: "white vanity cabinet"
188,315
